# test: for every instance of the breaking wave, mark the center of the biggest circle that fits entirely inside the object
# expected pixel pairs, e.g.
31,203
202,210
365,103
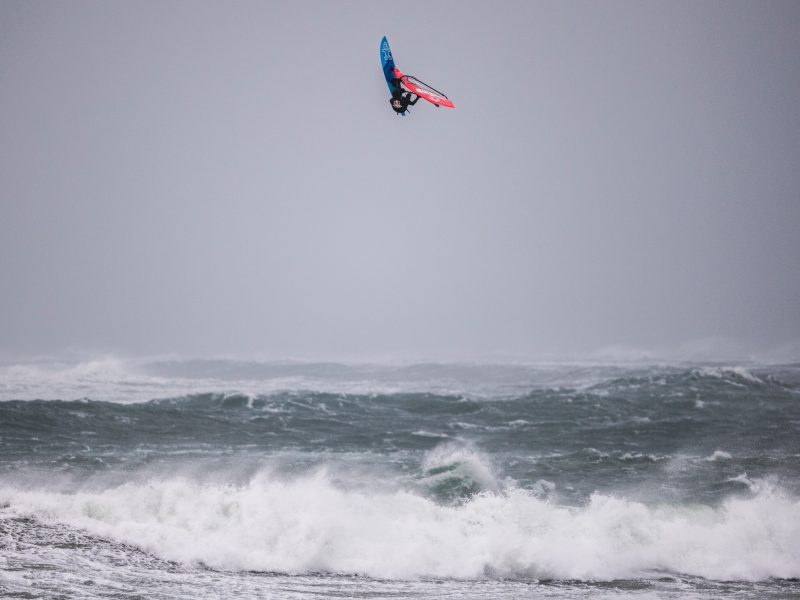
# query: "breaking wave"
312,524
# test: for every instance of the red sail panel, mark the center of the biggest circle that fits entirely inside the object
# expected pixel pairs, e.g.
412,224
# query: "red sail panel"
422,92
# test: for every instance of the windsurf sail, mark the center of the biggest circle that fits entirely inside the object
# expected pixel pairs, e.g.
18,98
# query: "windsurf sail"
409,82
423,90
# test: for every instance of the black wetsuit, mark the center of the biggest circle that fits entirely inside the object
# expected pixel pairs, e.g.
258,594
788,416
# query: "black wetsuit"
405,98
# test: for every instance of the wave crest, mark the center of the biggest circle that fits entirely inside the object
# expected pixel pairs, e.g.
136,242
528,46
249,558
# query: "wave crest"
308,524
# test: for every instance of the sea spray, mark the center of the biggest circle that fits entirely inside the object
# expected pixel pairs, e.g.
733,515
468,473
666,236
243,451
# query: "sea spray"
456,471
308,524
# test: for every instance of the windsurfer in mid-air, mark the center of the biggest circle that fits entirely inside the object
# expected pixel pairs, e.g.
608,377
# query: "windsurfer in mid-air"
407,89
400,101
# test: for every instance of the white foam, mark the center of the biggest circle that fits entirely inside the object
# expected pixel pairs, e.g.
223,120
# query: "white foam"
109,379
718,455
728,372
429,434
309,524
742,478
640,456
137,380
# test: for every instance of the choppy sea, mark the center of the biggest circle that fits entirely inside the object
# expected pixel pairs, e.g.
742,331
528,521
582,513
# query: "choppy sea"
229,479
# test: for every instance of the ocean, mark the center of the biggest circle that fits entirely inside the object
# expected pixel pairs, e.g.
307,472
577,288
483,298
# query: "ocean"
234,479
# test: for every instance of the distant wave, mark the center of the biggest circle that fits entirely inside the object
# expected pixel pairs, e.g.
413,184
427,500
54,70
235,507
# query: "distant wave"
128,381
632,400
660,408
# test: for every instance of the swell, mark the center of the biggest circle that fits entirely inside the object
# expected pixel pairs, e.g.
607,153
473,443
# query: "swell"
661,413
696,434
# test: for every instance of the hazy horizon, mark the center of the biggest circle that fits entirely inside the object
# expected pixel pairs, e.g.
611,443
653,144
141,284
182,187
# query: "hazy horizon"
227,179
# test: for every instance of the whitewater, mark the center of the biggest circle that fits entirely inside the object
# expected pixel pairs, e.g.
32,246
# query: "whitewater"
222,478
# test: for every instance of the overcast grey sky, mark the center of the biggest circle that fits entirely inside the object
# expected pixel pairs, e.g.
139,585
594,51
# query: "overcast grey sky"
211,178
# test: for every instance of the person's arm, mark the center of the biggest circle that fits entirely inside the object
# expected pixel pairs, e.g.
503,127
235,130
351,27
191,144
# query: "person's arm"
414,101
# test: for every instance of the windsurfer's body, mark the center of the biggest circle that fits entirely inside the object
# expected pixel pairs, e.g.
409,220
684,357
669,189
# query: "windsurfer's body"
406,90
401,100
